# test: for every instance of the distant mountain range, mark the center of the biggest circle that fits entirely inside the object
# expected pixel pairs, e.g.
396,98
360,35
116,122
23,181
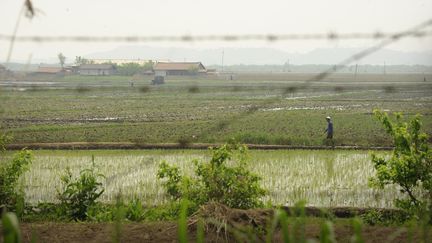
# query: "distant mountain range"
264,56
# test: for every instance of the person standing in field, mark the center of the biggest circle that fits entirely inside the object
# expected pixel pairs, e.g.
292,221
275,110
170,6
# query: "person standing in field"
329,129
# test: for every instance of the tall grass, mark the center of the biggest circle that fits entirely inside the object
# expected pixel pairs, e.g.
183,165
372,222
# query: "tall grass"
182,223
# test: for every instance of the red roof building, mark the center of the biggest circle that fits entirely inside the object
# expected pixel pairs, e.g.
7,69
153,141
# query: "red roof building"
49,70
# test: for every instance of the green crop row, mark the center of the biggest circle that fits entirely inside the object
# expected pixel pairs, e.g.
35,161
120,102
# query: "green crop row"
325,178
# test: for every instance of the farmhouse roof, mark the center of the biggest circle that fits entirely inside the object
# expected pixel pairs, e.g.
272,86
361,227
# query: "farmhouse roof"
97,66
180,66
49,69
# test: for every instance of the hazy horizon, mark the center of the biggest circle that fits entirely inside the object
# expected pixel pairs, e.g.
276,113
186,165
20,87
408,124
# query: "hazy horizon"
250,56
193,17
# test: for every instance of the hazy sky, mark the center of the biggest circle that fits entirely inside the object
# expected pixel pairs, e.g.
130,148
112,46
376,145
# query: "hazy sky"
199,17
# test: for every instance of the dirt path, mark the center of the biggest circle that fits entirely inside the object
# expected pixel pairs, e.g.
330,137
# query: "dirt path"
238,220
167,232
128,145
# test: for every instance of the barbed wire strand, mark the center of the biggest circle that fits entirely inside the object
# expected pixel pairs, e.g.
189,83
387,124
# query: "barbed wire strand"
28,10
12,37
360,55
221,38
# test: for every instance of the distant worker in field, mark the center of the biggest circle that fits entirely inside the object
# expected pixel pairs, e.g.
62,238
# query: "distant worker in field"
329,129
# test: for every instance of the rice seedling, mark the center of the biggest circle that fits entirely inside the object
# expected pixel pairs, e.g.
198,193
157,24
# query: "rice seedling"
323,178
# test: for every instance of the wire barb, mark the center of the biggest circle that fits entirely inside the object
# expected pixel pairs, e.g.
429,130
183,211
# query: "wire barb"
333,36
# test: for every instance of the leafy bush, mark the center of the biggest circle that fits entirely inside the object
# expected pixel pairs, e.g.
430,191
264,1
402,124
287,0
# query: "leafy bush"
234,186
79,194
410,165
4,139
167,211
9,176
381,217
135,210
101,212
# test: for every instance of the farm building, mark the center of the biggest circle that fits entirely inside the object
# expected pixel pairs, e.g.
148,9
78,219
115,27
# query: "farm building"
179,68
120,61
49,70
97,69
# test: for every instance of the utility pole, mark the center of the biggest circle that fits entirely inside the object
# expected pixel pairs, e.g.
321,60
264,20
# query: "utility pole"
223,53
355,72
287,66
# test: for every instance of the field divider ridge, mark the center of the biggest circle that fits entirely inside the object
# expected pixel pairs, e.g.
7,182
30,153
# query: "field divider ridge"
129,145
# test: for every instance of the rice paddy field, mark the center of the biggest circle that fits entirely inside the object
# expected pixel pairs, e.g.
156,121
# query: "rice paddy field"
325,178
286,109
259,109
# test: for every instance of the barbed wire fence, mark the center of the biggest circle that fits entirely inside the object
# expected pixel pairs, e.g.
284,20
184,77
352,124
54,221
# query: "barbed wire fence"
333,36
384,38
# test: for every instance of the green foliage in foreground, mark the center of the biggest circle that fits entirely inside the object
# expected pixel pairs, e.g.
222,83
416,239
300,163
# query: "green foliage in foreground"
410,165
10,196
79,194
11,231
234,186
292,229
133,211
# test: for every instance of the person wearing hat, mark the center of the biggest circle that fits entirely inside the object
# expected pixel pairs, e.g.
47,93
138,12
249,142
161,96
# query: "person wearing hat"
329,129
